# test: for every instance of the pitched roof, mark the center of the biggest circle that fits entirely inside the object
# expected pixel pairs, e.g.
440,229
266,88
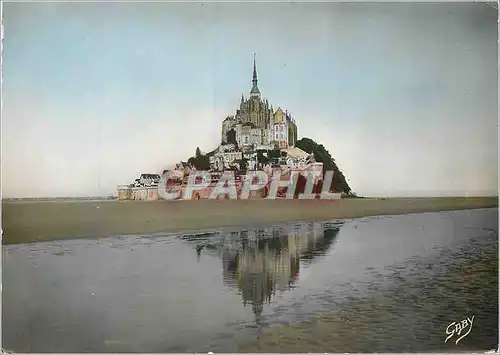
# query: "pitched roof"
150,176
296,153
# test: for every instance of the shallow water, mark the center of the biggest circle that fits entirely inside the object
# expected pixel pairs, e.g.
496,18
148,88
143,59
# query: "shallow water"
216,291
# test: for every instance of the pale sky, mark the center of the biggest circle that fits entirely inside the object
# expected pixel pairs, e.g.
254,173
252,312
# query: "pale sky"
404,96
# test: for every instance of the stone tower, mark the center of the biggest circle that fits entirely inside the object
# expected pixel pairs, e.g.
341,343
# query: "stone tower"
254,93
254,110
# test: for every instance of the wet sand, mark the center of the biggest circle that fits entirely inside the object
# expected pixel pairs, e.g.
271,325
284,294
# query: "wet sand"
357,327
382,284
31,221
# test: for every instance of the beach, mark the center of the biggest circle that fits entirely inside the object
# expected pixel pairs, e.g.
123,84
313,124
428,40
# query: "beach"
34,221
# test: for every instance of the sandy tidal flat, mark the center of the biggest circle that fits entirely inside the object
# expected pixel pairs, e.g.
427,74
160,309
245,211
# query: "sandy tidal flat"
31,221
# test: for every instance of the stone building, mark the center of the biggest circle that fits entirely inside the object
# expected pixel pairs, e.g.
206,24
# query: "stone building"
124,192
143,193
257,123
143,188
149,179
247,134
225,156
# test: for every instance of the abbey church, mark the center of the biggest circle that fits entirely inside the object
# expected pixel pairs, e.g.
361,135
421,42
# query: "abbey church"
257,125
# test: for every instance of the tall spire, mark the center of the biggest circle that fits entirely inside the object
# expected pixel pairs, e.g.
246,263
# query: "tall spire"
254,70
255,89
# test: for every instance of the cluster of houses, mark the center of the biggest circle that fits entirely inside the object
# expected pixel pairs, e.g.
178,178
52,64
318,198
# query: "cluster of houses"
143,188
228,156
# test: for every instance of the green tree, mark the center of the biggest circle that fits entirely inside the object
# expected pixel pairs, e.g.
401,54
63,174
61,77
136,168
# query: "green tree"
231,137
192,161
275,153
200,161
244,164
203,162
339,183
261,158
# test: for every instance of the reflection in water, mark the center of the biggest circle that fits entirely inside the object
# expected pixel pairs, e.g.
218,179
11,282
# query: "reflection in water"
391,284
262,261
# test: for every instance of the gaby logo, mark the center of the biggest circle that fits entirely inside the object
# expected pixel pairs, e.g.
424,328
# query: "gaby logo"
174,186
457,328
